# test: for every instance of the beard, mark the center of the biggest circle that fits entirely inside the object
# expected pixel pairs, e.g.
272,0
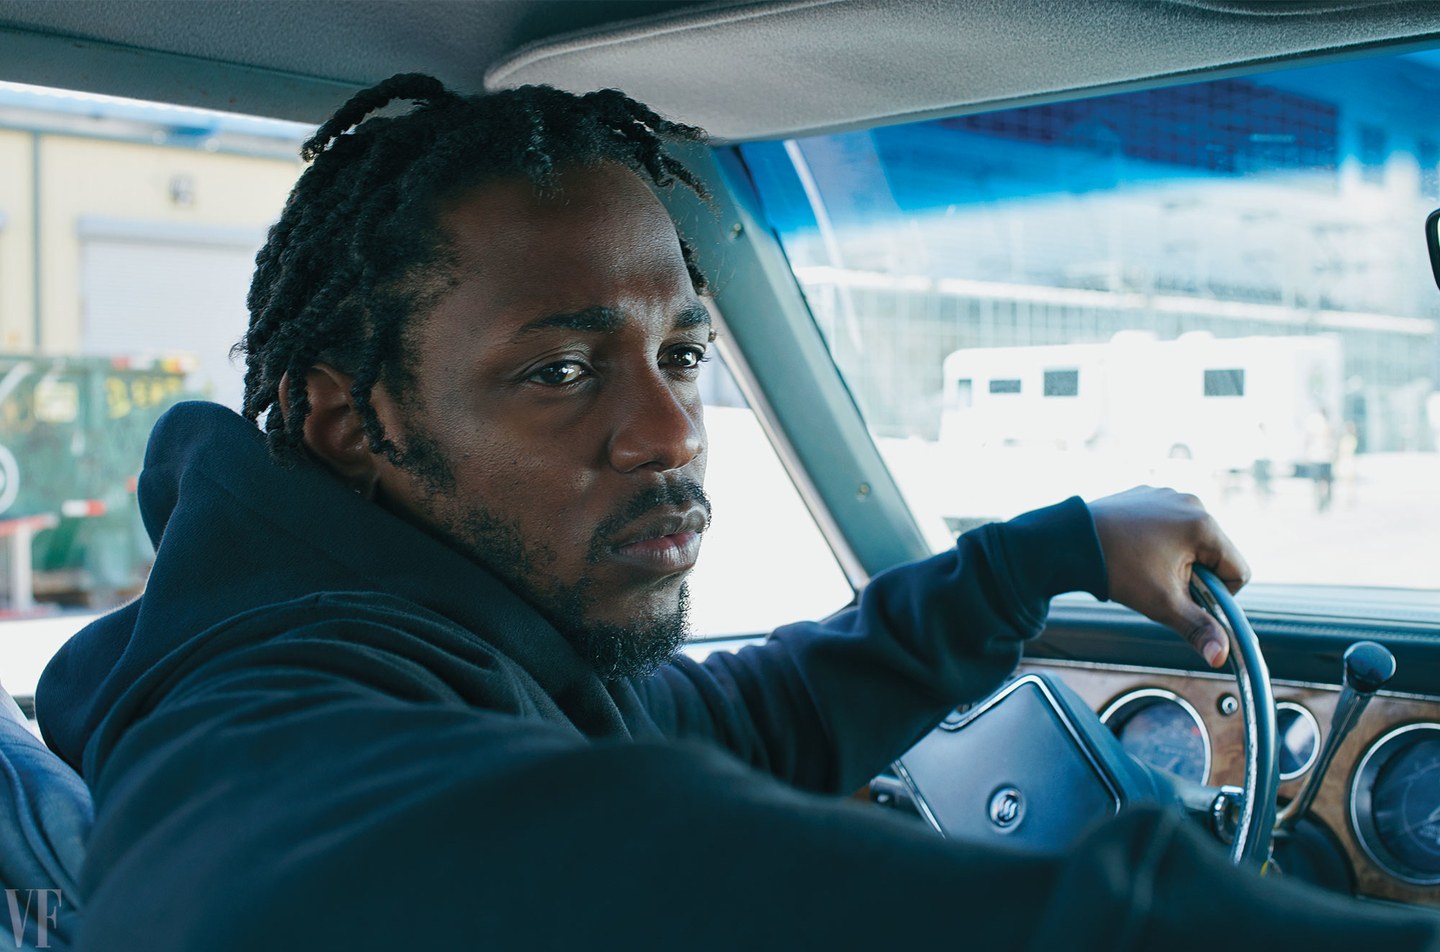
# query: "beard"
632,649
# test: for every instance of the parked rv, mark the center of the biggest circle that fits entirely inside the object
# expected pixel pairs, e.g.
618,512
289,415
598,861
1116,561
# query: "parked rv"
1224,402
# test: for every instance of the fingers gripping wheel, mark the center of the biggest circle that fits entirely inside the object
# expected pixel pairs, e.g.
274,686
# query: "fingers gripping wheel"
1257,704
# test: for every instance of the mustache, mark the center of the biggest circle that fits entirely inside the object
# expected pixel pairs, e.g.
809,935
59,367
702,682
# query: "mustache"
678,492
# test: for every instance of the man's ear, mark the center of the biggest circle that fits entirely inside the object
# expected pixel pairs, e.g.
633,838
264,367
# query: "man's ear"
334,433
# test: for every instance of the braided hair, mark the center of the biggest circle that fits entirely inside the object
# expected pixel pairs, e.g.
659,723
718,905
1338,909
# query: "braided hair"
358,252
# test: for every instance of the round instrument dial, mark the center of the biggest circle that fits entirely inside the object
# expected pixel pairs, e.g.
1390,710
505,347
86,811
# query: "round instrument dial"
1299,737
1395,803
1163,730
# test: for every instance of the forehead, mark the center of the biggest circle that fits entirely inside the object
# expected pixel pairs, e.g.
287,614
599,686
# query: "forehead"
599,237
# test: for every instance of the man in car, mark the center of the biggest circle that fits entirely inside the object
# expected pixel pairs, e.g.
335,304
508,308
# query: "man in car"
405,672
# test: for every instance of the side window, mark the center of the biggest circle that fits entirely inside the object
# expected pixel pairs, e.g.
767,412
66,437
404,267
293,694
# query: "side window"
1062,383
1225,383
964,394
128,234
764,561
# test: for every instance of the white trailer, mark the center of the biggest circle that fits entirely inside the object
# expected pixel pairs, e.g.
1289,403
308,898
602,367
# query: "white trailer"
1224,402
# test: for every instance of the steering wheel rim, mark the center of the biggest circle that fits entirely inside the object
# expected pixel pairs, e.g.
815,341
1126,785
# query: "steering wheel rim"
1255,827
1064,740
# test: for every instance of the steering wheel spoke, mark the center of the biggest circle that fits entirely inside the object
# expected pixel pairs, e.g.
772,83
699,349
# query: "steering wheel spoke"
1032,766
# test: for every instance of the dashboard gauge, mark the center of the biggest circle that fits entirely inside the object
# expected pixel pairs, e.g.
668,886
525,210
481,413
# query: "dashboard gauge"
1299,736
1163,730
1395,803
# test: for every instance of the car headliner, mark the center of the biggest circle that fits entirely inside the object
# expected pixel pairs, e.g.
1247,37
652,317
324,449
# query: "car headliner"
742,70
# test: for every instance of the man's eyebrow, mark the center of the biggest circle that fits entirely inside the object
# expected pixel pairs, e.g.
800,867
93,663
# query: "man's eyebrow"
599,319
605,320
691,315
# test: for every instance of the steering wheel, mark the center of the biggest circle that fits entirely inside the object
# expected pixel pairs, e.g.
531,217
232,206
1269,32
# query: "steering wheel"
1256,823
1032,766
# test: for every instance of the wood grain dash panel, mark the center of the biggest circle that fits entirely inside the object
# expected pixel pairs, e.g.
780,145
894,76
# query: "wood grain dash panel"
1100,685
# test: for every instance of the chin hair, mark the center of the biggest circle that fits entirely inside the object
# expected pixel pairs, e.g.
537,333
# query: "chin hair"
630,651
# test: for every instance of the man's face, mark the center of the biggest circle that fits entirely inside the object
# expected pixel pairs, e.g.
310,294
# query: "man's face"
554,430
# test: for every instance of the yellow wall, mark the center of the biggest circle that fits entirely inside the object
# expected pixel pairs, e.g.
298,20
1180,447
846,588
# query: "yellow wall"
16,266
91,178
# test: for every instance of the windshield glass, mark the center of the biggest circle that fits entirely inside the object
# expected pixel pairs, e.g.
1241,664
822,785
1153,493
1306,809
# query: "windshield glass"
1220,286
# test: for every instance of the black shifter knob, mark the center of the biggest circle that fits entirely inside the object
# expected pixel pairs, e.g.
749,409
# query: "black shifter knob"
1368,665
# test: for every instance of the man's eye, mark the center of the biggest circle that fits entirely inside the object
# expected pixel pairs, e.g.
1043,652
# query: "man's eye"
560,373
688,358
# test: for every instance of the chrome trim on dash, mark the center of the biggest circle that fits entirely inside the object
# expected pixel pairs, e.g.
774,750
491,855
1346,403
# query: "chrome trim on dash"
1314,730
1363,831
1160,694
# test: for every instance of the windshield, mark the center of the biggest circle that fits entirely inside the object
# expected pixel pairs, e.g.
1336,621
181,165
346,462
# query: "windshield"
1221,286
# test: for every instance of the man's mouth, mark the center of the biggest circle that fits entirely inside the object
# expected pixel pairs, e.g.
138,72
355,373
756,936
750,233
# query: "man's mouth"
665,544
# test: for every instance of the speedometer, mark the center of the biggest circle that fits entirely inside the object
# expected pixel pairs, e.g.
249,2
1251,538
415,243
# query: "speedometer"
1395,803
1161,729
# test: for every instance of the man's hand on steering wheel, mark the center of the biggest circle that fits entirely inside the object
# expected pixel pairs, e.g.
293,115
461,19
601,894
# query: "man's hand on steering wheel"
1151,539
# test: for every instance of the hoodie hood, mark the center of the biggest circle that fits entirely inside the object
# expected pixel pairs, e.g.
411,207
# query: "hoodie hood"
235,531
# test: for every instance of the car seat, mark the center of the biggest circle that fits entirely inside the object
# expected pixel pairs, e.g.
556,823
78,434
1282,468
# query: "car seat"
45,817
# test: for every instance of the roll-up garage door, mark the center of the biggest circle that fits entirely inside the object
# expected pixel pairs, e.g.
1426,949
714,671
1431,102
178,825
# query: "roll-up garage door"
146,298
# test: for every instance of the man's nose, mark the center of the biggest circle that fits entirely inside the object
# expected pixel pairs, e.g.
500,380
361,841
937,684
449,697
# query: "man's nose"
657,424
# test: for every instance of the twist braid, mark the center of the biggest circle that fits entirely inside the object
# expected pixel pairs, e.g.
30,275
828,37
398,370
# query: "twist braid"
357,247
416,87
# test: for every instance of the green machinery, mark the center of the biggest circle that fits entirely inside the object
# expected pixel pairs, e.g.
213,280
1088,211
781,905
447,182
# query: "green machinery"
72,438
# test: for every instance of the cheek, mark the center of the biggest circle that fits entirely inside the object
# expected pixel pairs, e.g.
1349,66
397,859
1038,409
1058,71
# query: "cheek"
555,459
540,484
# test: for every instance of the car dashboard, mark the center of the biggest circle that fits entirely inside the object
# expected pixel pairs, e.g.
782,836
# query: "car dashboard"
1188,722
1373,827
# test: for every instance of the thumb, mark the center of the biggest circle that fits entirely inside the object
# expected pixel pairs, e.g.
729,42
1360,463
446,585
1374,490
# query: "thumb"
1204,633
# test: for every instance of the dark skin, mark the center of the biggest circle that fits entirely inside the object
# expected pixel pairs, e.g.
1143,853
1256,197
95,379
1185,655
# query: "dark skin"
557,378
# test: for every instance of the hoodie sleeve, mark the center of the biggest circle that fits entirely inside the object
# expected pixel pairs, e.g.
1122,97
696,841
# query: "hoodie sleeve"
289,809
825,705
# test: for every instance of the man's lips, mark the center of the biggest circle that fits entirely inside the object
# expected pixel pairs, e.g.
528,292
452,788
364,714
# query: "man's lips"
665,544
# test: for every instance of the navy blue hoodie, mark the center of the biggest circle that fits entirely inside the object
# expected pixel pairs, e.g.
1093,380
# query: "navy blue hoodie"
320,728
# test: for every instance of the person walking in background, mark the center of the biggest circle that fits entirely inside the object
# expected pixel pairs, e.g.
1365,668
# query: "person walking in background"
1346,470
1320,448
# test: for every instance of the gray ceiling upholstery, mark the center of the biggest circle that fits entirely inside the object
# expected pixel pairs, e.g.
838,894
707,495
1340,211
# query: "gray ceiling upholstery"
810,65
294,59
742,70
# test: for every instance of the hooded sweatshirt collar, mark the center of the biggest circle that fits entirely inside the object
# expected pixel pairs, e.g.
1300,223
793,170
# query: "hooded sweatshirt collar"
235,530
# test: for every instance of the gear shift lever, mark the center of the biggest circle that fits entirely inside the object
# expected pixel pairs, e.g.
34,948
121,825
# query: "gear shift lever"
1368,665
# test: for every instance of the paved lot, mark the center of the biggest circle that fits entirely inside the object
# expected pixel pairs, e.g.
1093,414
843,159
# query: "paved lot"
1383,527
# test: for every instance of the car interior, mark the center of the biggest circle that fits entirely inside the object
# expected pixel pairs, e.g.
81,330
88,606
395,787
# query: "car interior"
966,259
